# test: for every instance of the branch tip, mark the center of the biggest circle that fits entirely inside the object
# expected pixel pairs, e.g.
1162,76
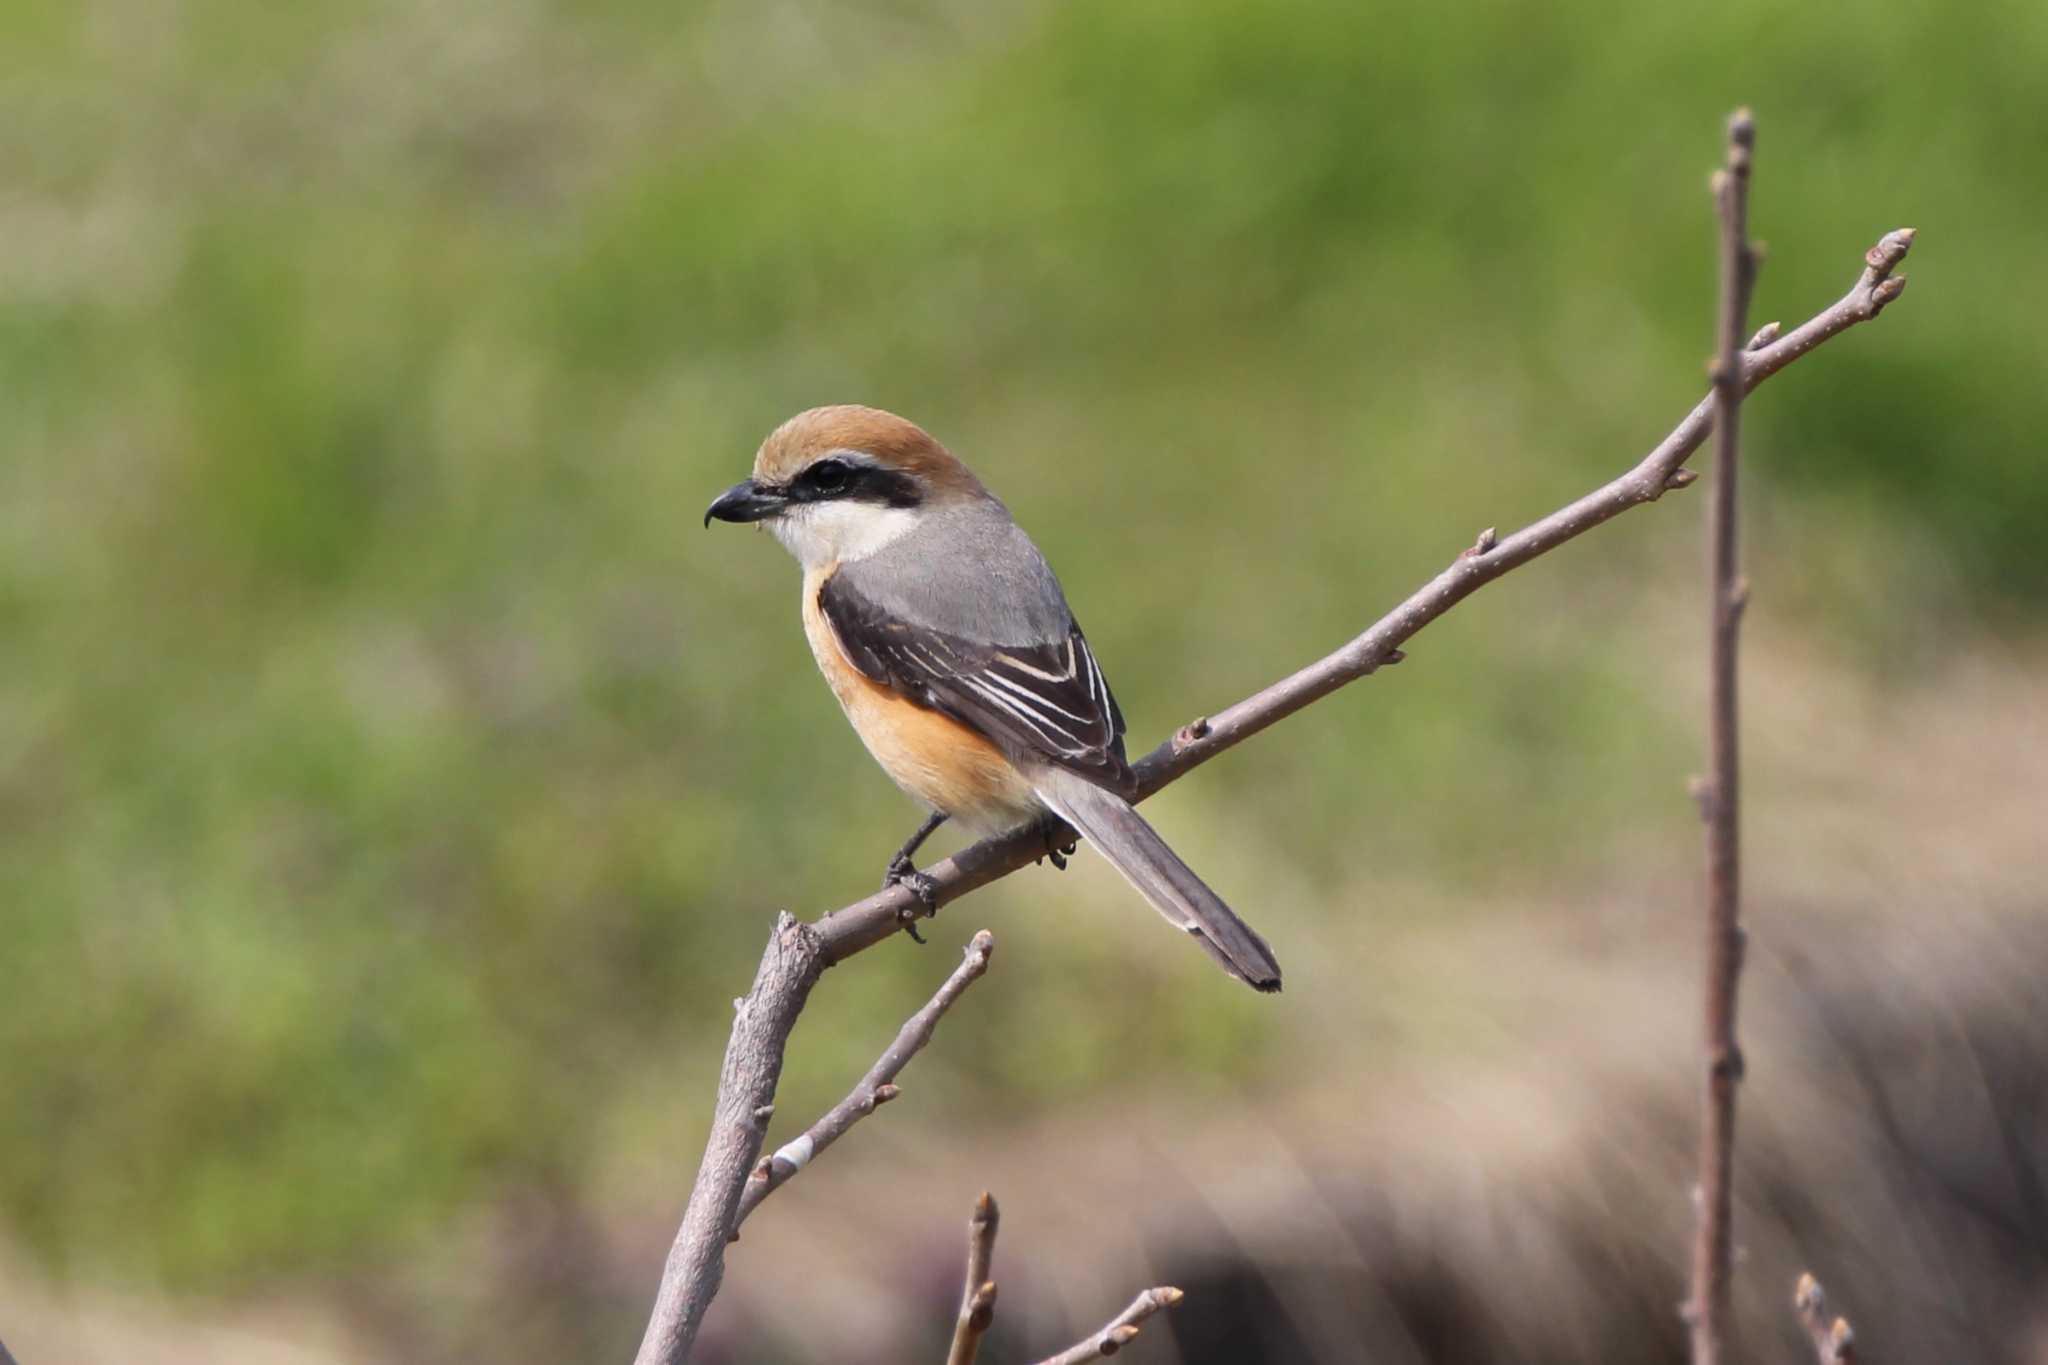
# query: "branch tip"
1834,1342
1117,1339
1120,1330
1891,249
978,1293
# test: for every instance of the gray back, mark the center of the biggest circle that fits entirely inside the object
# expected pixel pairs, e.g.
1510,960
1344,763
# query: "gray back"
970,571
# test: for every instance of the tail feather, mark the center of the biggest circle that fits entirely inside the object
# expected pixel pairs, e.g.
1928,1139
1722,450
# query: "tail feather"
1135,849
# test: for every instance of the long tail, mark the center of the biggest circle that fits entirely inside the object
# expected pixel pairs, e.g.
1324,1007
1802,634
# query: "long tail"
1135,849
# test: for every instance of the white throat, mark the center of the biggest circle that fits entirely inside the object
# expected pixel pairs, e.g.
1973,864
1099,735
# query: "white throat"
840,532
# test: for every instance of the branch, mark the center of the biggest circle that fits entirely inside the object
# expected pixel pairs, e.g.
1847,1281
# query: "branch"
864,923
1119,1331
794,959
1713,1248
1833,1342
875,1088
799,952
978,1296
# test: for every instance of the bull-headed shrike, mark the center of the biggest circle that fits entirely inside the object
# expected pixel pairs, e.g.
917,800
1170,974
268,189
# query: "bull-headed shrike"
948,642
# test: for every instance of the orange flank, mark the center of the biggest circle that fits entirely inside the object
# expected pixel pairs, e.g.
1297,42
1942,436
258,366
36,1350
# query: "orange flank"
939,761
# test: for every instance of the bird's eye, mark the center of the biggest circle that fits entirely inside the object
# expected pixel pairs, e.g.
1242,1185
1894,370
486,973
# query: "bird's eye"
829,477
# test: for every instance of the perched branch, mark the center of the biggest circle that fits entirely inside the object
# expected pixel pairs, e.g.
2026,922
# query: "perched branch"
1713,1248
1119,1331
799,952
864,923
1833,1342
978,1295
875,1088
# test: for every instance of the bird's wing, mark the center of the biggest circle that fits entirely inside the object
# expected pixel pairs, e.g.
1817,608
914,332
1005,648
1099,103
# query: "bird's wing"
1045,701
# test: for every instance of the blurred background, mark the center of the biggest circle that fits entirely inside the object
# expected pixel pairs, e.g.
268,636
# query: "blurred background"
397,784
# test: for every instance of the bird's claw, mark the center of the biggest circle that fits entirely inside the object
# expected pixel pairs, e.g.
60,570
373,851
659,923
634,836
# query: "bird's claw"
1056,850
902,872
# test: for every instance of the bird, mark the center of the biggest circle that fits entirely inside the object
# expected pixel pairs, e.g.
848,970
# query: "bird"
949,644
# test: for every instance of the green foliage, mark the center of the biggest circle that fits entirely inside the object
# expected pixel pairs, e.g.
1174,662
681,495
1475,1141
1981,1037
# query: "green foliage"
395,782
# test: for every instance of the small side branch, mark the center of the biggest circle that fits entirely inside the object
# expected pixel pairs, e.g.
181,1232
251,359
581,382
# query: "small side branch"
875,1089
978,1294
1833,1342
1120,1331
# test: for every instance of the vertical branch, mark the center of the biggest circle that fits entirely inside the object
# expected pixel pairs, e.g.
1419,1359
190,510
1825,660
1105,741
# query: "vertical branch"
746,1097
1713,1246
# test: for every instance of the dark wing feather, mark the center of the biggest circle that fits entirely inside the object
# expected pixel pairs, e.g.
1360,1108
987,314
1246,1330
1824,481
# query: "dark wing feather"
1048,701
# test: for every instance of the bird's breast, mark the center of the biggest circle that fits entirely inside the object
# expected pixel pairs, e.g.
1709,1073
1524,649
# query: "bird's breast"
947,765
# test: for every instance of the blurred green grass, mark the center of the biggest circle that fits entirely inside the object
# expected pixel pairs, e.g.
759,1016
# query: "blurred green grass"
395,782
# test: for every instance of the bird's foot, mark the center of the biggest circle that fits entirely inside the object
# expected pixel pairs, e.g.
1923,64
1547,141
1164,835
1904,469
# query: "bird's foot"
1058,848
902,872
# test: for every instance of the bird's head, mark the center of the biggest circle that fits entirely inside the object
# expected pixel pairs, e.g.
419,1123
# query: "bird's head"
837,484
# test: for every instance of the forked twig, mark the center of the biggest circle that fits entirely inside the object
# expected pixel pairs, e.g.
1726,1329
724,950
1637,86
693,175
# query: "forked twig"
875,1089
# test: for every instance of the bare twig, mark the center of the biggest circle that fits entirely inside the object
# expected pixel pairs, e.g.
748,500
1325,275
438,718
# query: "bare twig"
978,1294
1719,797
754,1056
1713,1248
1833,1342
1119,1331
875,1088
